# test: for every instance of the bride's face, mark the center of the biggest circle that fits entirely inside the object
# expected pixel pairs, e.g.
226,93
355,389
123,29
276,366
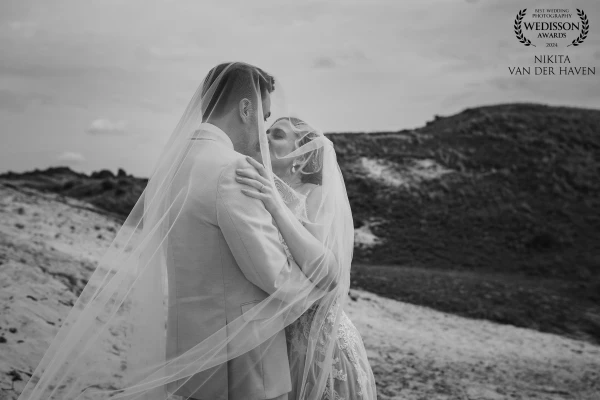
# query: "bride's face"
282,141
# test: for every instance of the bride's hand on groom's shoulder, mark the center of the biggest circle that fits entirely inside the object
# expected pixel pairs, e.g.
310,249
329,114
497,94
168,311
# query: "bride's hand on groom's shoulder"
256,177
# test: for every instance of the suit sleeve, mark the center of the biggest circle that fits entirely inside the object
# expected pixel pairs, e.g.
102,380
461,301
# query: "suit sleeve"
253,238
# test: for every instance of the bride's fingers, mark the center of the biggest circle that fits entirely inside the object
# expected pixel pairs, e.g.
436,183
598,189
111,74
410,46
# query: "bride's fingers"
252,174
259,167
261,187
250,182
256,195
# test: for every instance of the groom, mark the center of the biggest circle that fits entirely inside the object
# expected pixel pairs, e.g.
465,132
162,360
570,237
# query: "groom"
225,251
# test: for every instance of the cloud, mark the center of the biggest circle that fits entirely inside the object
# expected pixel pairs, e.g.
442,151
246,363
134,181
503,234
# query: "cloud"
70,158
106,127
25,28
325,62
579,93
458,98
356,55
344,58
19,102
53,70
173,52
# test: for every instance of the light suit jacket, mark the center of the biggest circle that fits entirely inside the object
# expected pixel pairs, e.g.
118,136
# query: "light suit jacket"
224,257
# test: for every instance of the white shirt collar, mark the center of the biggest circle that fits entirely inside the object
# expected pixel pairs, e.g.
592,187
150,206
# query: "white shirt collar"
208,131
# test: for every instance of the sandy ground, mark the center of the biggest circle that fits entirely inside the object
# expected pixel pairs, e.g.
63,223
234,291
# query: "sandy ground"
48,247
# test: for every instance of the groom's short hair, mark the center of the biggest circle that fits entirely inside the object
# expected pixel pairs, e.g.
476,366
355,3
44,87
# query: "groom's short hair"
237,82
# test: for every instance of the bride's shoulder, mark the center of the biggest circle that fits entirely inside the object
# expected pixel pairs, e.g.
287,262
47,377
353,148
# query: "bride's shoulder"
313,200
313,193
307,188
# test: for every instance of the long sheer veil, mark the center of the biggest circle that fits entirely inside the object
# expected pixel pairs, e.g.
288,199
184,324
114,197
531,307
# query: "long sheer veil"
114,342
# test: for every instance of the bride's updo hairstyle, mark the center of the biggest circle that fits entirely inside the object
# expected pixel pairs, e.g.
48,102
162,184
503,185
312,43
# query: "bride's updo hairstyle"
310,164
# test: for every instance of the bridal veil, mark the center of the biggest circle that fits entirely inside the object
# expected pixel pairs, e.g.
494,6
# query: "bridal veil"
112,343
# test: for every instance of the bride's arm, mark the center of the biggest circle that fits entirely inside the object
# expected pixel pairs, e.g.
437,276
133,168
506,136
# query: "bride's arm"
305,243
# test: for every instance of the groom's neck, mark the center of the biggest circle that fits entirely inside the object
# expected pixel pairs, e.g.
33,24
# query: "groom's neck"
234,131
226,126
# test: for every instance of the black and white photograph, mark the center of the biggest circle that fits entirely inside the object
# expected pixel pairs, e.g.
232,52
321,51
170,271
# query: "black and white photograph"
299,200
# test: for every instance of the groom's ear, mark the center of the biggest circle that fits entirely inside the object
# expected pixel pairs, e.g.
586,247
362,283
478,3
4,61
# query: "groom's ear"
245,108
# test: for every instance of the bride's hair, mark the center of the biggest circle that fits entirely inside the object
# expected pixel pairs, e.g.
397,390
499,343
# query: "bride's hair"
311,166
236,84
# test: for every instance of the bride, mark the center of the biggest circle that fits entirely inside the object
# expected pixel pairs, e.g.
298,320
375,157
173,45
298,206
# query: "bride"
298,180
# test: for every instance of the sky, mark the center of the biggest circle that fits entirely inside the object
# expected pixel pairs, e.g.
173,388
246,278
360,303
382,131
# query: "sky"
102,84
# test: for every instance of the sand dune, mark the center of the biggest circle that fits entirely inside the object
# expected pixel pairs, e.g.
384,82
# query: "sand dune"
48,247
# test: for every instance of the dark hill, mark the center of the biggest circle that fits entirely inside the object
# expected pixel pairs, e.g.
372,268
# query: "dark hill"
113,193
523,196
511,233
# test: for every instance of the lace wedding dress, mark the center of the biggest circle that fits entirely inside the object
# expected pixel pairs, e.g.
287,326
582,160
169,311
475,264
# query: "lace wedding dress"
352,375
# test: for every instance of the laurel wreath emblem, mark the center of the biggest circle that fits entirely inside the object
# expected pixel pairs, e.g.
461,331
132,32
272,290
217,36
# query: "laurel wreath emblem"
585,27
518,31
